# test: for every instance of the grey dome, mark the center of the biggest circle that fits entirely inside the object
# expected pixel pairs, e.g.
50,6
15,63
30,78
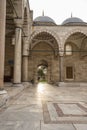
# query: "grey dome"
72,20
44,19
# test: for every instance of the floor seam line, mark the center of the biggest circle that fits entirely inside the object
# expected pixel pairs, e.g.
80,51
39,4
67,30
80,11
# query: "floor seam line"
74,126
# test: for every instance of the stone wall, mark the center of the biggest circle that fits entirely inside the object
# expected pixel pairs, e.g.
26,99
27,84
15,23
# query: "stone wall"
63,34
79,67
60,33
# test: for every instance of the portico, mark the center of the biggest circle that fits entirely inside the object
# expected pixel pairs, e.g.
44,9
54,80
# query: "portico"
26,43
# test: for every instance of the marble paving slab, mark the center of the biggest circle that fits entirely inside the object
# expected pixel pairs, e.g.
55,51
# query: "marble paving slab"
55,113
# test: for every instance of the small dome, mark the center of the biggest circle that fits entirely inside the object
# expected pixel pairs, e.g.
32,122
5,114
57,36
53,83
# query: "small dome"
45,20
73,20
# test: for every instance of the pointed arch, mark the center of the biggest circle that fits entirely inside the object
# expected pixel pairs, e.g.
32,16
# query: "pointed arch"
26,18
73,32
52,33
18,5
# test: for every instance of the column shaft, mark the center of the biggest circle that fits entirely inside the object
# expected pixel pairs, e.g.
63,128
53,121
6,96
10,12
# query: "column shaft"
25,59
25,69
17,58
2,40
61,69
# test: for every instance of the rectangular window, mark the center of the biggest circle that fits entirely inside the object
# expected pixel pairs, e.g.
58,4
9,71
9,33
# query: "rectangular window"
69,72
68,50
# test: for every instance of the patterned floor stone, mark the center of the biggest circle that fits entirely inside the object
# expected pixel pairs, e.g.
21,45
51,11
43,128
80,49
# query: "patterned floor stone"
64,113
21,116
20,125
46,107
57,127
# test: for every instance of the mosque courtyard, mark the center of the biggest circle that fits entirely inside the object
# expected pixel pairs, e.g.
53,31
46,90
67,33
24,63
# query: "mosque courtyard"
45,107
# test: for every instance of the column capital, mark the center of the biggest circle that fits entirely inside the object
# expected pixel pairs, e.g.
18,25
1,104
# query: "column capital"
18,22
26,39
61,53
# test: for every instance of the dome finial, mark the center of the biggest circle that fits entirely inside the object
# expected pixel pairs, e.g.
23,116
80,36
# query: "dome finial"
43,13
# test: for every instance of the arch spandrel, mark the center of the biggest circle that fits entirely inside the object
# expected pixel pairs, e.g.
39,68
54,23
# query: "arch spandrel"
52,33
40,42
71,33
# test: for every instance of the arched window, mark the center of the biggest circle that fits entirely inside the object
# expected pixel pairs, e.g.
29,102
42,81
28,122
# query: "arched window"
68,49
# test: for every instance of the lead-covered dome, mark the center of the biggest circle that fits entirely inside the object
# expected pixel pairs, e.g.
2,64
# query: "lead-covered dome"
73,20
44,20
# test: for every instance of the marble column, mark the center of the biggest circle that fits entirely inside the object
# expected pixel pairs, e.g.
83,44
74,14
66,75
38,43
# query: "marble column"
61,68
17,55
25,68
2,40
25,60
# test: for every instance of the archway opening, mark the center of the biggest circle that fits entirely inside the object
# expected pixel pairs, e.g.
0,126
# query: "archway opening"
42,73
44,47
75,58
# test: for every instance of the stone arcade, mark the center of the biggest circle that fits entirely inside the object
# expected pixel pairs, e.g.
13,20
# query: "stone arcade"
26,44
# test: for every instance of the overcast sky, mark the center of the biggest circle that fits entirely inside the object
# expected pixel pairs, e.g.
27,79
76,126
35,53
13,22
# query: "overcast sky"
59,10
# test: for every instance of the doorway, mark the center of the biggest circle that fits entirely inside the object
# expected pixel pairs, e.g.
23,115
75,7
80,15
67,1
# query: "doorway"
42,73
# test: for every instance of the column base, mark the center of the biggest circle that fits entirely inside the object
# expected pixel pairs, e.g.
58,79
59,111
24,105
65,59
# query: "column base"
2,91
17,85
61,84
27,84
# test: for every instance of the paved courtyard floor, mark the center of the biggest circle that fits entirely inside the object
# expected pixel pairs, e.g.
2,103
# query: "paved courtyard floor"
46,107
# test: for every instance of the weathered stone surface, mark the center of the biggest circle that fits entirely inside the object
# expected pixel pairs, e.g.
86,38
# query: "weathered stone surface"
45,107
